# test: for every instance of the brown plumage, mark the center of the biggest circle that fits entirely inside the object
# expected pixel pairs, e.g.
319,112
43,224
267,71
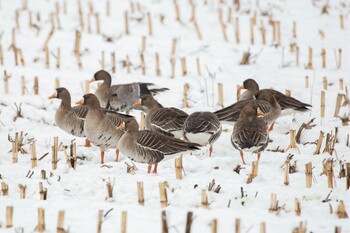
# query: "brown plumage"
202,128
266,103
288,104
148,146
120,97
99,126
68,118
167,121
250,132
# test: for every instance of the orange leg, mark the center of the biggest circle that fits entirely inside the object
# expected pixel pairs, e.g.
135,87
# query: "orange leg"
155,168
117,155
271,126
149,168
210,151
258,156
242,156
102,157
87,143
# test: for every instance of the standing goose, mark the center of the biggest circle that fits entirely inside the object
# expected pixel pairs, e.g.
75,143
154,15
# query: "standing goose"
168,121
202,128
266,103
249,132
288,104
99,126
148,146
120,97
68,118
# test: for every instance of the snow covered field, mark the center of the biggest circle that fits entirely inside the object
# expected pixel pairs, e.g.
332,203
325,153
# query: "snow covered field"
81,193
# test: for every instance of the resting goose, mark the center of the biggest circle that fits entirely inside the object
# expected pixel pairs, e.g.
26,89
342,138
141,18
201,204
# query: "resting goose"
288,104
68,118
203,128
266,103
148,146
99,125
250,132
168,121
120,97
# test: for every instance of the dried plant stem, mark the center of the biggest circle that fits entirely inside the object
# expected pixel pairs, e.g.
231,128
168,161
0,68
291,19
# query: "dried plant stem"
254,173
158,73
41,220
60,222
238,225
323,54
164,223
319,143
183,66
214,226
221,95
338,105
143,66
308,173
341,212
99,221
178,168
205,203
126,18
149,20
123,224
9,216
189,221
33,154
325,83
323,104
286,172
113,62
163,194
48,38
309,64
252,31
293,144
140,193
263,32
297,207
22,191
330,174
237,31
297,55
185,95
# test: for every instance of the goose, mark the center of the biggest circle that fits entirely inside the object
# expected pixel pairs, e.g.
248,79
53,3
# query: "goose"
168,121
203,128
120,97
99,125
266,103
250,132
289,105
68,118
149,147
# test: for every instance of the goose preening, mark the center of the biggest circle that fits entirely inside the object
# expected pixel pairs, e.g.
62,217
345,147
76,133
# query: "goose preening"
100,126
203,128
168,121
288,104
122,96
68,118
265,102
250,132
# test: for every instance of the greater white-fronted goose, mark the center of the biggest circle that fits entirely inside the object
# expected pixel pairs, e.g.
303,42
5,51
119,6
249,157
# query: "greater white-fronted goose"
288,104
68,118
265,102
202,128
148,146
99,125
250,132
168,121
122,96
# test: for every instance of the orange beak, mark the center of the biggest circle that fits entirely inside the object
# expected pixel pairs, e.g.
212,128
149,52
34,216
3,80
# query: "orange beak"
121,126
240,88
92,80
137,103
260,113
53,96
80,102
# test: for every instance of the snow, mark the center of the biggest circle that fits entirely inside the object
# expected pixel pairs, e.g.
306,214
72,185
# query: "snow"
82,192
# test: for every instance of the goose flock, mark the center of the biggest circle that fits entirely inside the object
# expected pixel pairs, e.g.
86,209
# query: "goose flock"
169,131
